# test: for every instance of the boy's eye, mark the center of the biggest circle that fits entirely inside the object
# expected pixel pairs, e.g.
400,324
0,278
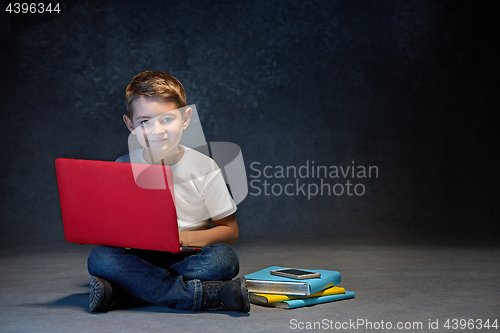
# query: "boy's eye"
167,120
145,122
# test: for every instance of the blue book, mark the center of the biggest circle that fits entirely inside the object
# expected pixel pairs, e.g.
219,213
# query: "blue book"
297,303
263,282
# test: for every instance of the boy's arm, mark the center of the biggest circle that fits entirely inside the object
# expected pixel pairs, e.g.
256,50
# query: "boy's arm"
224,231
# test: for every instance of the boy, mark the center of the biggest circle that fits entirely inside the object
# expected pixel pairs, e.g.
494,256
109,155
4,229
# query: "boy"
157,115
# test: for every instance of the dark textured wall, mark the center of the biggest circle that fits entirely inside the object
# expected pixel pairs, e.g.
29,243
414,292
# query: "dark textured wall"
407,86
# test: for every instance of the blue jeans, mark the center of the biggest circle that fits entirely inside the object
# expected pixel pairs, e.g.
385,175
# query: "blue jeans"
164,278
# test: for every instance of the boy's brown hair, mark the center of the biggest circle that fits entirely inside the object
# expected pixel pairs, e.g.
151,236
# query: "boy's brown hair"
154,84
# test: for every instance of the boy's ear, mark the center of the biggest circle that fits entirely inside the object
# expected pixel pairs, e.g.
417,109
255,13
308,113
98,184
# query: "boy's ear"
129,124
186,118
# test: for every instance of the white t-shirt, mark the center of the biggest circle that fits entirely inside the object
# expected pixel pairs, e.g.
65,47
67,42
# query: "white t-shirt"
199,189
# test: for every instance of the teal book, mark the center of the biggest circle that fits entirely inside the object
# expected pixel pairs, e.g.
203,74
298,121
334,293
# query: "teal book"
263,282
297,303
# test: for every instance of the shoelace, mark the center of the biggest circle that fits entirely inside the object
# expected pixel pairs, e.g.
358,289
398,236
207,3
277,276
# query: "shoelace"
211,297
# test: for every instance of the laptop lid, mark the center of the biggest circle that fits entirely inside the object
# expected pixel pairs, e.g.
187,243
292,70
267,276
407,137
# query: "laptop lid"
102,203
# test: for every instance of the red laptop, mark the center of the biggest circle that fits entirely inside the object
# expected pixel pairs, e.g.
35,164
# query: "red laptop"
108,203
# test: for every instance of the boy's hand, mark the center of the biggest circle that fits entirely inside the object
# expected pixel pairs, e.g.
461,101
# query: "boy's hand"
181,238
224,231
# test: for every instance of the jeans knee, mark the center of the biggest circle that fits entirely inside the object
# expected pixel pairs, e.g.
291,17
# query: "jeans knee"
225,259
101,258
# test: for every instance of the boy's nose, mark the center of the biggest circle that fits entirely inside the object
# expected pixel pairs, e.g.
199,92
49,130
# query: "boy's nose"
157,128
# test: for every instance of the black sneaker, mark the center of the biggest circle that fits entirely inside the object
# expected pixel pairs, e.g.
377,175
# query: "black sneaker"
100,295
229,295
104,296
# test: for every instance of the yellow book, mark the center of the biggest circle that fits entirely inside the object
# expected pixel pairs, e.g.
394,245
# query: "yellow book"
260,298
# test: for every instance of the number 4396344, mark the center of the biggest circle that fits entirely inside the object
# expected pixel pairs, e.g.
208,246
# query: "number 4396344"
32,8
463,324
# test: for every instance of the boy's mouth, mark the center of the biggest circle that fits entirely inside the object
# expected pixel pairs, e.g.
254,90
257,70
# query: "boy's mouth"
158,141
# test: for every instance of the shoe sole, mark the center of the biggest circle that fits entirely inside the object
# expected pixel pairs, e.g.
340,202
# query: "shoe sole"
244,293
96,294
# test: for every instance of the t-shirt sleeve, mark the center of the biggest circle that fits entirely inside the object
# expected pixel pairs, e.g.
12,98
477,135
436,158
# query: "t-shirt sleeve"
217,198
123,159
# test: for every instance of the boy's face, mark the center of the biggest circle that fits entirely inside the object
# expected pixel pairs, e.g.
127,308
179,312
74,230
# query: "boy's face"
161,122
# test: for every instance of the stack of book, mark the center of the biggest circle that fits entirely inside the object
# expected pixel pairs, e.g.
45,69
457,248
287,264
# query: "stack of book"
287,293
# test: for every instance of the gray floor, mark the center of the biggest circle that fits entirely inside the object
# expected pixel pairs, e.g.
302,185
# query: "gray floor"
45,289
